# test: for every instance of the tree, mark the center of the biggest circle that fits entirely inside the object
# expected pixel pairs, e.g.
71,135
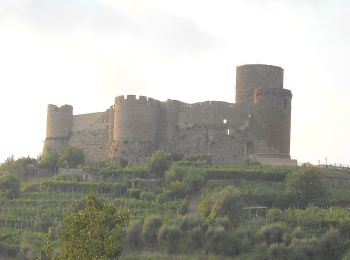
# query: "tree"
226,203
71,157
24,166
48,162
159,162
305,186
94,232
9,186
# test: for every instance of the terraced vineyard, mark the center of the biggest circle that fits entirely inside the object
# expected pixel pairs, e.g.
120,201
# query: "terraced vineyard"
197,208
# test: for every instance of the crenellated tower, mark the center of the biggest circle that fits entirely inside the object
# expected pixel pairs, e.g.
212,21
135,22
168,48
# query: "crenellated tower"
136,123
58,127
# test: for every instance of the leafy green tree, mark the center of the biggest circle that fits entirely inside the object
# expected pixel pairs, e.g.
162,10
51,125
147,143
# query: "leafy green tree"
48,162
159,162
9,186
71,157
306,186
226,203
24,166
94,232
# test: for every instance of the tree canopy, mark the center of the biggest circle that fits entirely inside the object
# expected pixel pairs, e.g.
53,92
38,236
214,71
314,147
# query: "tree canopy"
71,157
94,232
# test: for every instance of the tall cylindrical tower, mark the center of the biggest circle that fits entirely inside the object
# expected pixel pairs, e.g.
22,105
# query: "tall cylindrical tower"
272,119
135,127
58,127
252,76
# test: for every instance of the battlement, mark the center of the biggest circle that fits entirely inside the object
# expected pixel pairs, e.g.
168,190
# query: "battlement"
64,108
139,99
272,92
211,104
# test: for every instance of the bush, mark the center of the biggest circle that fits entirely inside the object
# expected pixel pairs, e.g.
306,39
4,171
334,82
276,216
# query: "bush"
9,186
159,162
277,251
306,186
71,157
134,239
170,237
272,233
228,202
220,242
150,229
30,246
331,246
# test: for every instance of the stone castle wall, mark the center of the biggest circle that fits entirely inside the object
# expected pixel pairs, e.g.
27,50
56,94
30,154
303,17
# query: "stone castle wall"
134,127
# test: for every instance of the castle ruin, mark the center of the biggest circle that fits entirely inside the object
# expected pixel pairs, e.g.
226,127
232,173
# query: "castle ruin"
256,126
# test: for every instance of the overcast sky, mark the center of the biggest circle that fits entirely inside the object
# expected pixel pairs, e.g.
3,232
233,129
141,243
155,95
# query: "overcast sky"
84,53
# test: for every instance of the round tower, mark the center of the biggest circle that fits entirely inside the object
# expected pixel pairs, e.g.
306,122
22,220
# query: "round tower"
135,127
58,127
272,121
252,76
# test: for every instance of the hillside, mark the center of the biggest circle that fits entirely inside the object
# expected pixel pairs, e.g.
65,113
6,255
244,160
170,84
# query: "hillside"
235,211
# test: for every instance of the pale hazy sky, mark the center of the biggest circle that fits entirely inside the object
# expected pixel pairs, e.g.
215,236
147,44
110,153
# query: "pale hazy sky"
84,53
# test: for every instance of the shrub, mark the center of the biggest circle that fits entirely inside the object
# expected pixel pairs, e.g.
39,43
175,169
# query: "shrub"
9,186
305,186
150,229
170,237
228,202
330,245
71,157
277,251
30,246
134,239
159,162
272,233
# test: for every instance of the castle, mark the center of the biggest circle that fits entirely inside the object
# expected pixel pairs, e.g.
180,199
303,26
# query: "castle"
256,126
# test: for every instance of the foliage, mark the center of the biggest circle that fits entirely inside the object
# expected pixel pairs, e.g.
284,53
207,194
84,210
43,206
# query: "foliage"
225,203
68,177
30,245
170,237
24,166
159,162
306,186
272,233
94,232
134,239
71,157
9,186
48,162
150,229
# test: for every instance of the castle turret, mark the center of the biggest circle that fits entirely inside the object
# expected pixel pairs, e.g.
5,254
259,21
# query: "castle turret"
272,118
252,76
58,127
261,88
135,127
